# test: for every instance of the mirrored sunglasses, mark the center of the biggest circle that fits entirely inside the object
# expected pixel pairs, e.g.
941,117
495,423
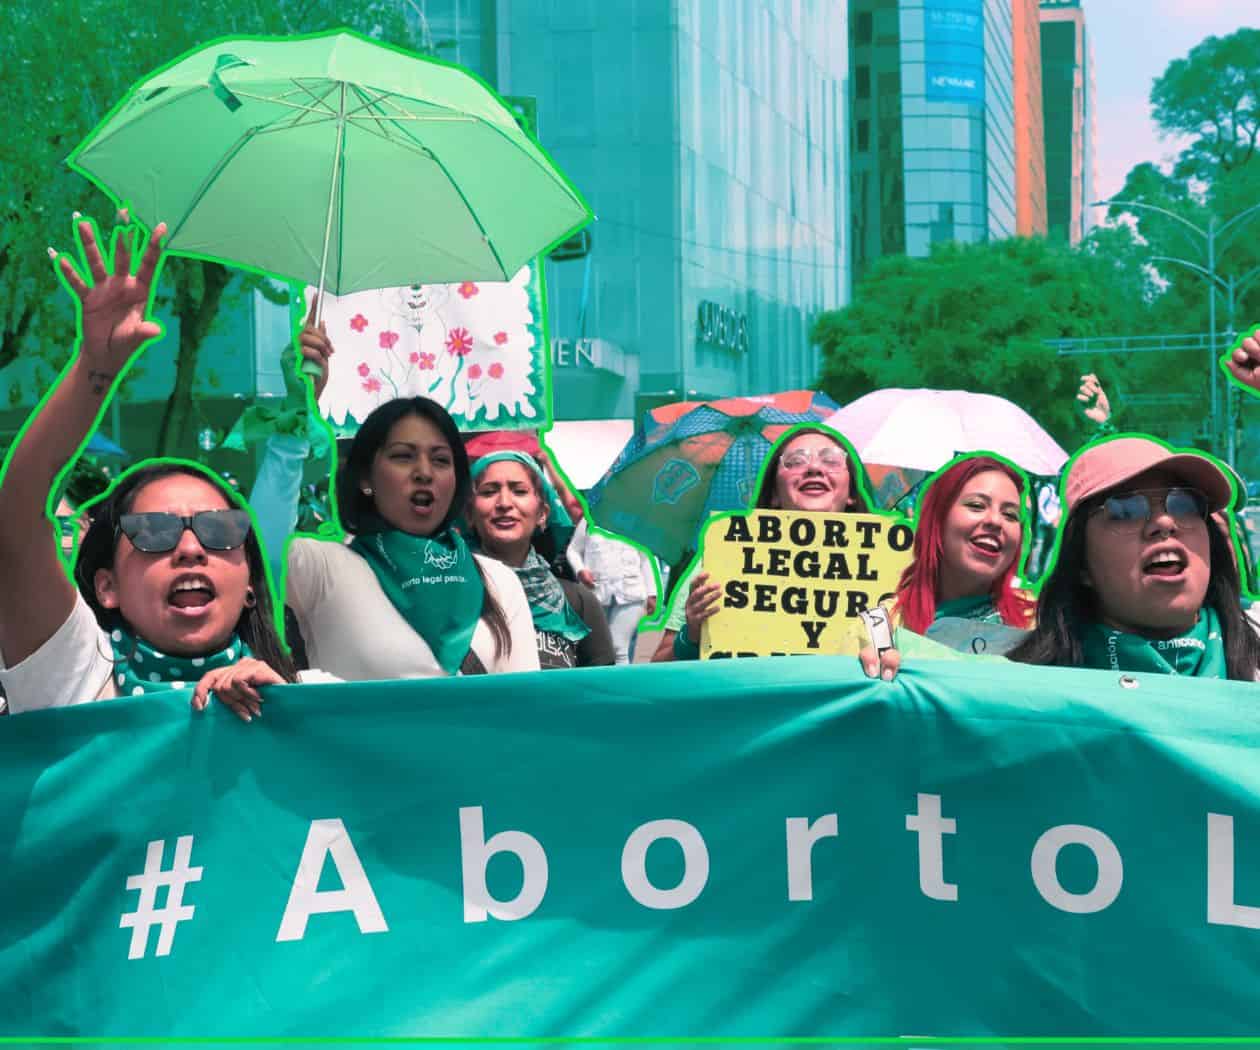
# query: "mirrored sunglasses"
156,532
830,460
1136,508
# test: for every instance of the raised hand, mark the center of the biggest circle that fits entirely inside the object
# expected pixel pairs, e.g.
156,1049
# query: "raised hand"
1244,362
316,348
112,308
1091,394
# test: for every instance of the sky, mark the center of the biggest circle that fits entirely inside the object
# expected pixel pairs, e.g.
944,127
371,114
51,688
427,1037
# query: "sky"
1133,42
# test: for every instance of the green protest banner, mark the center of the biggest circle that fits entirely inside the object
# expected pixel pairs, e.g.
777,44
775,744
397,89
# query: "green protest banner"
737,849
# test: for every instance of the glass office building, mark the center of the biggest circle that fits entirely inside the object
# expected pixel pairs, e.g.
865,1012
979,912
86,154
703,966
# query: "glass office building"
1068,103
709,137
933,125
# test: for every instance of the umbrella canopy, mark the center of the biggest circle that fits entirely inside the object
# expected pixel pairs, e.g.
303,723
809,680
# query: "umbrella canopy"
688,462
332,160
924,429
488,441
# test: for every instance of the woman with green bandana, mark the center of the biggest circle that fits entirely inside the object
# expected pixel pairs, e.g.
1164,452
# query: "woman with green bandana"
406,598
967,539
172,588
1143,581
518,518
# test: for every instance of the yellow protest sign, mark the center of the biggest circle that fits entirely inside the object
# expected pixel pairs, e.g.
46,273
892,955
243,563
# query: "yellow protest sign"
794,582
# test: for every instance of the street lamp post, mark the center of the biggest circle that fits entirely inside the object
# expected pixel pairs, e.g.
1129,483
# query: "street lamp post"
1214,239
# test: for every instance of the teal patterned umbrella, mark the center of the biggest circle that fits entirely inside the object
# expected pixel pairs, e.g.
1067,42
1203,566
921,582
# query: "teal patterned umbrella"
690,460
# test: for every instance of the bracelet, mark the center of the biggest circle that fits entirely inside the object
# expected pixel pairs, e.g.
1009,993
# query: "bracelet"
684,649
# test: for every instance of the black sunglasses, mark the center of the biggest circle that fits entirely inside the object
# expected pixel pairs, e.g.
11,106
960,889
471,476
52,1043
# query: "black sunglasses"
1131,509
156,532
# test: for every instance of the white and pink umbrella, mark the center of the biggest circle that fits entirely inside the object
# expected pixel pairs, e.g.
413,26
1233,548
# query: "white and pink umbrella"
924,429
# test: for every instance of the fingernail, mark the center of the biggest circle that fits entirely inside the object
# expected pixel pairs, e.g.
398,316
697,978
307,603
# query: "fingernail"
52,253
887,675
76,216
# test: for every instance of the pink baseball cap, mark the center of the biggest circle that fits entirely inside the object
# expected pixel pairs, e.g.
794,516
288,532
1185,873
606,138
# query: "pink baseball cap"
1111,463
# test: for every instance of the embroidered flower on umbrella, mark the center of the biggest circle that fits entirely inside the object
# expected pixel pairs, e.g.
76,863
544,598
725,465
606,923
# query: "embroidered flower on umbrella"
468,289
459,342
387,340
474,371
496,371
364,369
358,322
372,385
500,338
425,360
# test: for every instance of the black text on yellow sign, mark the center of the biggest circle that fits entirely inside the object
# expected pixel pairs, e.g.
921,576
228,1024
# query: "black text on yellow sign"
794,583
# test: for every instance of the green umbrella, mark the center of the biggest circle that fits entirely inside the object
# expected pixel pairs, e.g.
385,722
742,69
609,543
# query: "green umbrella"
332,160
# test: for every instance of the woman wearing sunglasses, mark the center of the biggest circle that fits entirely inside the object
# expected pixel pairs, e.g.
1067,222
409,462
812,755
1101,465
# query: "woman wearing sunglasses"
967,540
172,588
1143,581
812,469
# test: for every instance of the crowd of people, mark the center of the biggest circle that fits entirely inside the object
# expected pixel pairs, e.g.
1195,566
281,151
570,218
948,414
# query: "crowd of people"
454,565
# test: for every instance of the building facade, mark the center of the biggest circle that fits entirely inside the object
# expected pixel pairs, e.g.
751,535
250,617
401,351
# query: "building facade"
1030,133
1068,112
710,140
933,125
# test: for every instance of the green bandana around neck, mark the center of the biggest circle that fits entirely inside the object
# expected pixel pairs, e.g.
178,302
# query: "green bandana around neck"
981,608
547,604
1199,653
434,584
139,668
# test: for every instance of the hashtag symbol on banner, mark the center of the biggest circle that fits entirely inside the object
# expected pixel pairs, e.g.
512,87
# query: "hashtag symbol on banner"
147,914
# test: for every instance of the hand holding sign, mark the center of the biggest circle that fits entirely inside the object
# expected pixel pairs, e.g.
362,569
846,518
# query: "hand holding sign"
879,658
703,600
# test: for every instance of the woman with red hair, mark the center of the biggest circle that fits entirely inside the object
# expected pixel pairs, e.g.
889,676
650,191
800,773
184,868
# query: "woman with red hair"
967,543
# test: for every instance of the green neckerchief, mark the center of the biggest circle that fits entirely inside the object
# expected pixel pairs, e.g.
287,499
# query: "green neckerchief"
1200,652
434,584
550,609
980,608
139,668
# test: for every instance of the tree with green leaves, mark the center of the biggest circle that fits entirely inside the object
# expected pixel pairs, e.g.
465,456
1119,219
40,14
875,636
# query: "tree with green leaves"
1211,98
67,62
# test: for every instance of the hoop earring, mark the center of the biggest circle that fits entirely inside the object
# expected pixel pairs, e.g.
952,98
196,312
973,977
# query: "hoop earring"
367,490
251,599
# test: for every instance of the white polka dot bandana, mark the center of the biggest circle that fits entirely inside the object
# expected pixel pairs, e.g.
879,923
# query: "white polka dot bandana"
139,668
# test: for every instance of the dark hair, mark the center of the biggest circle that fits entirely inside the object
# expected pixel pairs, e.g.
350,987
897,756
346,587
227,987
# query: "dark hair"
256,625
1066,603
358,512
859,485
916,592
